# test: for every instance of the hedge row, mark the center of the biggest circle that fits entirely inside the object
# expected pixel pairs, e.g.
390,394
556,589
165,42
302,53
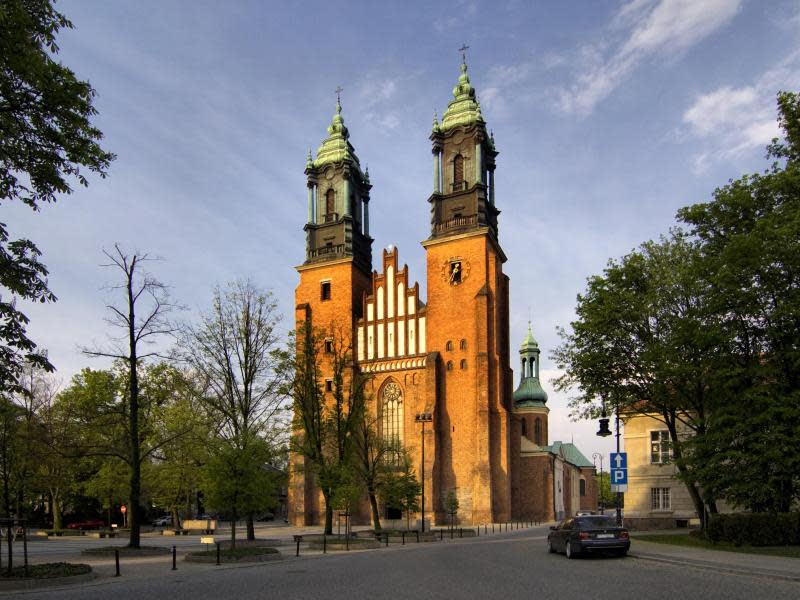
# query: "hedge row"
756,529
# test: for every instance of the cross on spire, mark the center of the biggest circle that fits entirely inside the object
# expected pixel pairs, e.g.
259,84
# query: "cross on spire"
463,51
339,89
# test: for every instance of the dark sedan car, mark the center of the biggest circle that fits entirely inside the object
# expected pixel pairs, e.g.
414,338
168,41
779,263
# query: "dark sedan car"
591,533
87,524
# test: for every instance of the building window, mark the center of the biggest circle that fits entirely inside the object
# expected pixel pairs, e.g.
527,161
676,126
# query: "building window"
329,346
524,428
448,346
537,431
392,418
582,487
463,363
325,290
328,385
449,365
660,447
330,205
463,344
458,173
660,499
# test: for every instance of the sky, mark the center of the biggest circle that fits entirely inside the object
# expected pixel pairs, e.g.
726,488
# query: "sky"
608,116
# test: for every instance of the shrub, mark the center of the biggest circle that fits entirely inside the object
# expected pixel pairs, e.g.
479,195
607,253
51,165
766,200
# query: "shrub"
755,529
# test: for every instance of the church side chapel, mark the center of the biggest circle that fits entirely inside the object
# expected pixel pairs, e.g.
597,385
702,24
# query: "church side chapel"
444,361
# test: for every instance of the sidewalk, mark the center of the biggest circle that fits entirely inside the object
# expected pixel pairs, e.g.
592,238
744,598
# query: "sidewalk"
772,567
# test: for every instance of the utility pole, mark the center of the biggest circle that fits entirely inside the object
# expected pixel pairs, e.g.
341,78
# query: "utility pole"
423,418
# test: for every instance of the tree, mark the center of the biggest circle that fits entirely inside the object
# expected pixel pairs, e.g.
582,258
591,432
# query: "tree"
46,140
371,460
143,317
236,480
749,238
645,343
236,352
324,428
399,487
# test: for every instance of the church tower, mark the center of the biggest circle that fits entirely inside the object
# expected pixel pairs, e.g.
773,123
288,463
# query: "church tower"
468,313
529,398
336,272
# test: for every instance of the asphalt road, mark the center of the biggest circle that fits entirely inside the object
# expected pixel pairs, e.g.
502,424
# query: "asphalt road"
507,567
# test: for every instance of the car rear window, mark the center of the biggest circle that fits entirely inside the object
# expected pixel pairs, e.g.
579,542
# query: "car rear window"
595,521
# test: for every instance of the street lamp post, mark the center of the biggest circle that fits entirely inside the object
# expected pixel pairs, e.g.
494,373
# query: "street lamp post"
604,431
596,456
423,418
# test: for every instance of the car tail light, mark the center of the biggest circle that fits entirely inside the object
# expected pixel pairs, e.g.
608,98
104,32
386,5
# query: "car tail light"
624,535
583,535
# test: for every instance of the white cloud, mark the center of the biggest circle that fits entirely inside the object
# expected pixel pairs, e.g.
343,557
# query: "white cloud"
649,28
736,120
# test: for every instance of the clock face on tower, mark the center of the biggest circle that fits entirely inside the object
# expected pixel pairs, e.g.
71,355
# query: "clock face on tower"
455,270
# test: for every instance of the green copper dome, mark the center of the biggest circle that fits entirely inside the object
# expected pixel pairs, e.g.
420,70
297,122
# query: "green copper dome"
530,393
336,147
464,109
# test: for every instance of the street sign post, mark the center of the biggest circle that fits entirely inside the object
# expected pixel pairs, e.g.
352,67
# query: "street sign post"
619,471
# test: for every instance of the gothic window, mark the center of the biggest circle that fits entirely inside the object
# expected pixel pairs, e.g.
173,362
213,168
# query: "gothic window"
537,432
582,487
463,344
449,365
463,363
458,172
392,417
448,346
330,205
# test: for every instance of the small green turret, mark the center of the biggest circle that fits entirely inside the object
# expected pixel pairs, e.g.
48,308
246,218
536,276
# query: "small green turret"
530,392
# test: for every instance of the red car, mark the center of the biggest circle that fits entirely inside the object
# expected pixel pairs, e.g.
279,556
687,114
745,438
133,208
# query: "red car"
87,524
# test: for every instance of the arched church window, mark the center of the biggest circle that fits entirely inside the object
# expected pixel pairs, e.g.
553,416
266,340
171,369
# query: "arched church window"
582,487
392,417
330,204
537,432
463,363
463,344
449,365
448,346
531,364
458,172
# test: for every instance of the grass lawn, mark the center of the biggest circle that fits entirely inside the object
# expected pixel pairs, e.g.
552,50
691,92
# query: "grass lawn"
238,552
48,570
684,539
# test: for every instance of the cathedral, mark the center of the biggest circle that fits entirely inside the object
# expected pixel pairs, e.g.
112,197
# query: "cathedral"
440,370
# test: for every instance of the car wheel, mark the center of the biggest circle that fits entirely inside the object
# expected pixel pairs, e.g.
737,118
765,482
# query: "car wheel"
550,548
569,551
622,553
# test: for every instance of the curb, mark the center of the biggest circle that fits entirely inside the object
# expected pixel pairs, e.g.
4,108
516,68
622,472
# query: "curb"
712,566
33,584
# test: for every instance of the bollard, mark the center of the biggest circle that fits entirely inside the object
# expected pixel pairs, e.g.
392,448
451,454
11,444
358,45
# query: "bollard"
403,534
478,531
484,529
116,560
324,543
451,532
25,547
297,553
174,559
218,552
461,532
387,540
441,534
418,536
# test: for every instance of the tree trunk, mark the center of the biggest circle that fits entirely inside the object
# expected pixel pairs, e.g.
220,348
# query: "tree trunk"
376,517
55,508
251,529
328,517
133,423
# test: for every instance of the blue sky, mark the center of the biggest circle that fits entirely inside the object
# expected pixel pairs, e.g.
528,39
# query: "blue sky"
608,116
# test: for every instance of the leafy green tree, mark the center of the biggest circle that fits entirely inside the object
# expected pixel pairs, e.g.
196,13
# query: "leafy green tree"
324,429
645,342
46,141
399,487
236,352
749,236
605,498
371,460
236,481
